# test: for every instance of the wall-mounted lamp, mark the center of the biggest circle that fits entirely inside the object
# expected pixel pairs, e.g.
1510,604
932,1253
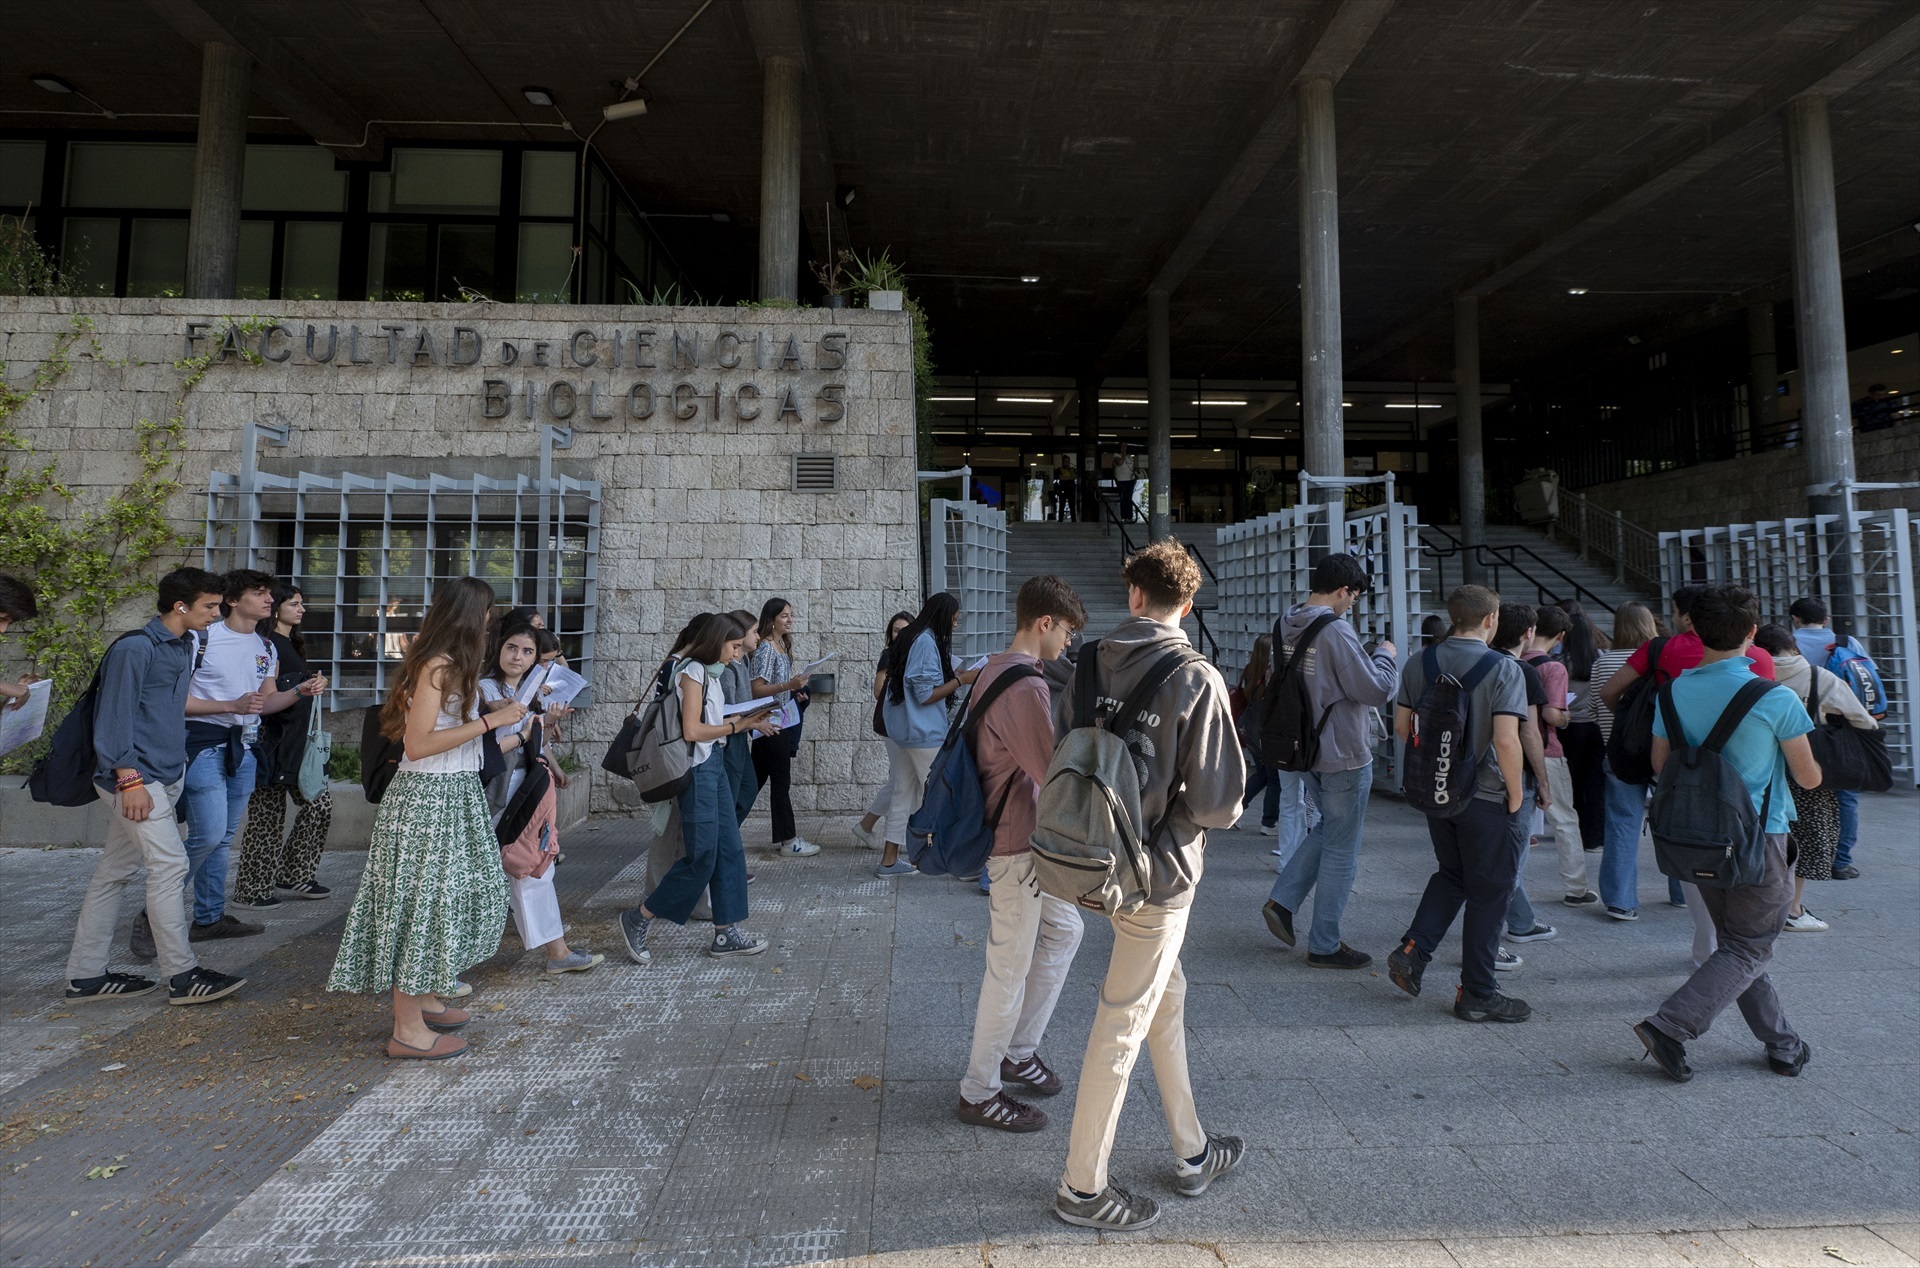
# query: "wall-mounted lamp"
538,96
625,110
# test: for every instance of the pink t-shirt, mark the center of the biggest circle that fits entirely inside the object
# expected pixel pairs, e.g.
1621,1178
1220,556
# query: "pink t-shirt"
1013,745
1553,679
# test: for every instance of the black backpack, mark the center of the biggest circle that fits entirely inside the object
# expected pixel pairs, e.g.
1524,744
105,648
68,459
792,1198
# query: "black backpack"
379,756
1852,759
526,799
64,777
1289,738
1441,765
1630,748
1705,829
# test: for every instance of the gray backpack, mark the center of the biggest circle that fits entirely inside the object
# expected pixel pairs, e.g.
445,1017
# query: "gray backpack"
1090,846
661,761
1705,829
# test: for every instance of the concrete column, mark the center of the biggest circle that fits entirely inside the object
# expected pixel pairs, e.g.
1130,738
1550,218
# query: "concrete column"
1826,419
219,165
1763,373
1322,424
1159,417
1473,455
780,180
1089,472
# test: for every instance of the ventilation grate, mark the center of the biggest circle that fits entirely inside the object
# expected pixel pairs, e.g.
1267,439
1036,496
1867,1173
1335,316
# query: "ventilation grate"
816,472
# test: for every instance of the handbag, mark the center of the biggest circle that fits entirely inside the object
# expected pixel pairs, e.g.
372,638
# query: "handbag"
1852,759
314,757
661,764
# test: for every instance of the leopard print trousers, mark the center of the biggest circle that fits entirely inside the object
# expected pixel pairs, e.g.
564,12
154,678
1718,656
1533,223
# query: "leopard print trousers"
268,856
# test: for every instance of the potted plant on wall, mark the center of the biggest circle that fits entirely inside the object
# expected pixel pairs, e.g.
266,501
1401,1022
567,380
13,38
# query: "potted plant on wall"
833,280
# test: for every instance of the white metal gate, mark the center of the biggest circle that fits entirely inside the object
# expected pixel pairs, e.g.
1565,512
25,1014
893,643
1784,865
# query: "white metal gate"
967,557
1784,560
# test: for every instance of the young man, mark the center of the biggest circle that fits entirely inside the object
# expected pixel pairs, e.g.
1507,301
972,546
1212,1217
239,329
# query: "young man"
1846,658
16,604
1031,936
1770,741
1188,756
1549,632
1478,851
1514,632
139,742
1344,685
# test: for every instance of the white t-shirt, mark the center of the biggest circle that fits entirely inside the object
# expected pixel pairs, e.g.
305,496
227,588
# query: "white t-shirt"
713,704
235,664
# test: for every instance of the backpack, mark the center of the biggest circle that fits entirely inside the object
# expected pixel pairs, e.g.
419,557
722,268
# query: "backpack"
1090,847
1852,759
1441,765
379,756
950,834
1288,741
1705,829
1630,749
532,850
661,761
1857,670
64,777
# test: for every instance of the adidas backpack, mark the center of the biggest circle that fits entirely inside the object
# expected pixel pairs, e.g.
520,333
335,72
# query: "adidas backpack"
950,834
1289,738
1090,846
1441,765
1705,829
1630,749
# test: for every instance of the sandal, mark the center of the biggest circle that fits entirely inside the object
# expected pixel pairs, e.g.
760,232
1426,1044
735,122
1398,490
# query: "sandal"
447,1019
440,1049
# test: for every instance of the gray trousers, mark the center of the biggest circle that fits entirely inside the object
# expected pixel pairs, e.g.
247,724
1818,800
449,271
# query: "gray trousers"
1746,921
154,844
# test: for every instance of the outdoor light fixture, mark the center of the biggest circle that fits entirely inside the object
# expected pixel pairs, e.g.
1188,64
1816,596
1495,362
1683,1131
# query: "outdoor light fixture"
1897,351
1029,278
844,196
53,83
538,96
624,110
1576,290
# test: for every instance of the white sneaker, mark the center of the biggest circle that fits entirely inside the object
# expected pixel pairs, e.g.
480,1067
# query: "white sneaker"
1505,961
798,848
1267,830
865,838
1806,922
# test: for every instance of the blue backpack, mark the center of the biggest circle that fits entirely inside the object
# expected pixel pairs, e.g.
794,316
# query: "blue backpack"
950,834
1855,668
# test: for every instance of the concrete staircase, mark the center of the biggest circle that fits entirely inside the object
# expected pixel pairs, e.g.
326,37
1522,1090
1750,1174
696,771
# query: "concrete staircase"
1087,556
1543,570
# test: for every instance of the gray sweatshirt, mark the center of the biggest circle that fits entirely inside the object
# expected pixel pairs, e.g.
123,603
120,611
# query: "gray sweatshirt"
1185,743
1339,672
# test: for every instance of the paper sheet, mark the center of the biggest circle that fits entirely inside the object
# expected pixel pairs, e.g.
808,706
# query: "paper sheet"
559,686
748,706
975,665
809,668
19,725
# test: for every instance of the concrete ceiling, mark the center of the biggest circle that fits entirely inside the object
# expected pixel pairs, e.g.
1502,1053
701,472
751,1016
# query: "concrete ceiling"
1513,147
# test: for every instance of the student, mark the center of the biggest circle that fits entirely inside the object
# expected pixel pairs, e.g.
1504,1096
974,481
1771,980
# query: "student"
433,899
773,752
1345,684
1031,936
1190,761
736,682
1585,750
139,741
269,858
1513,632
920,679
1063,491
1246,717
16,604
535,903
1816,827
1123,478
1633,627
883,796
1478,852
1846,659
1433,631
1543,651
1769,742
712,856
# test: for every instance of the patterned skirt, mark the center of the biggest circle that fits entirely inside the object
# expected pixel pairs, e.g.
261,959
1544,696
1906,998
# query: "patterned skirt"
1816,833
433,900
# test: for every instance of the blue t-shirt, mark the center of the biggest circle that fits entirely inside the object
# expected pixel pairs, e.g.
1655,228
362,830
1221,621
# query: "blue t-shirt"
1700,694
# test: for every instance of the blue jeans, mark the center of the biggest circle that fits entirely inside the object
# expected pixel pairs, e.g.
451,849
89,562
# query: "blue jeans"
214,802
714,857
1328,859
1520,916
1620,857
1259,776
1849,828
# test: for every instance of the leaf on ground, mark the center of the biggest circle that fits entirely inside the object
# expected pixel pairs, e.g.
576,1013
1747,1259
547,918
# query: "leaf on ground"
57,1016
804,1078
109,1069
188,1042
107,1172
1835,1252
498,1008
866,1083
308,1007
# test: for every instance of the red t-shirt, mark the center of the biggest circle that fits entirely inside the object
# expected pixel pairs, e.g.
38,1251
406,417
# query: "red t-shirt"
1684,651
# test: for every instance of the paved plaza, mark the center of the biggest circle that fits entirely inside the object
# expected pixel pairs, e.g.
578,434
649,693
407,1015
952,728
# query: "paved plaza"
797,1108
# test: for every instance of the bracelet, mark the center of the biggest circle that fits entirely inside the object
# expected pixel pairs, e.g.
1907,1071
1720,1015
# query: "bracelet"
126,782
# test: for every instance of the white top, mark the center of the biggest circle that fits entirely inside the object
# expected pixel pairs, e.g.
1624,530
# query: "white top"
713,704
1837,701
465,757
491,690
235,664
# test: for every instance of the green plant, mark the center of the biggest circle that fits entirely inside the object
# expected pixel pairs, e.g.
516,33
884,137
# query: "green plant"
881,273
343,764
668,296
569,761
25,266
774,302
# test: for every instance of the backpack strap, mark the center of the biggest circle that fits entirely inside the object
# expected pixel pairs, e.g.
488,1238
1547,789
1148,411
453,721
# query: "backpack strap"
1813,694
1086,685
1676,734
1653,659
1300,648
970,720
1478,674
1142,694
1733,715
1430,664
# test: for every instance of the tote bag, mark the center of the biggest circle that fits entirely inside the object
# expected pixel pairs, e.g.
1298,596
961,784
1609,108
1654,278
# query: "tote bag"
313,758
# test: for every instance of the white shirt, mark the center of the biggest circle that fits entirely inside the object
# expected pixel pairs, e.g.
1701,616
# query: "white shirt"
713,704
235,664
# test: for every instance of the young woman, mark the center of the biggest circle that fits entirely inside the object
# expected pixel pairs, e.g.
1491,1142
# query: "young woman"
532,899
882,799
269,858
712,857
1585,749
737,679
433,898
920,679
1252,689
1633,625
773,675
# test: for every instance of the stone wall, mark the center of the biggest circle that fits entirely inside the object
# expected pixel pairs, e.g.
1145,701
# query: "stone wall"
687,417
1767,486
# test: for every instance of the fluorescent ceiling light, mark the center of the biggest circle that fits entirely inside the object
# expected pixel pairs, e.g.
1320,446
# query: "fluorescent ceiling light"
1024,435
1123,400
1413,405
538,96
1029,278
1220,401
53,83
950,398
1024,400
1897,351
1576,290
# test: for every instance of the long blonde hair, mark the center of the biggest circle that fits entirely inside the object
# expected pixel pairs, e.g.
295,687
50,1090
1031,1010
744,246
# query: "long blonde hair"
1633,624
455,628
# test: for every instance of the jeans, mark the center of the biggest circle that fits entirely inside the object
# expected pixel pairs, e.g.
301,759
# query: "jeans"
1298,814
740,774
1849,827
1520,917
1328,859
1478,855
1620,859
1261,776
215,802
714,857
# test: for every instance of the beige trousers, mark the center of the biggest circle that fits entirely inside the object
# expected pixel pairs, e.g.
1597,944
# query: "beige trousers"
1144,997
909,767
153,844
1031,938
1566,827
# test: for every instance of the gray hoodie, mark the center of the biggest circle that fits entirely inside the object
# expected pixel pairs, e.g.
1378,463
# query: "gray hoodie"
1339,672
1186,742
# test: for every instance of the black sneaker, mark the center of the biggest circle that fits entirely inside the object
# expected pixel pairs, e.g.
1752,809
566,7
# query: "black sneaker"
1846,872
1344,958
1001,1111
85,990
1539,933
633,930
140,942
1405,967
1791,1069
312,891
1624,913
1111,1208
1223,1155
1279,921
202,986
228,926
1667,1052
1585,898
266,903
1495,1007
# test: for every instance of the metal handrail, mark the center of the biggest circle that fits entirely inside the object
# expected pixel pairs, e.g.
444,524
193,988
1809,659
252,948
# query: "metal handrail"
1492,557
1127,548
1206,635
1593,529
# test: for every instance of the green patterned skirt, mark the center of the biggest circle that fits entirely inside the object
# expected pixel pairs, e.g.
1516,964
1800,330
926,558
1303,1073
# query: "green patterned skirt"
433,900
